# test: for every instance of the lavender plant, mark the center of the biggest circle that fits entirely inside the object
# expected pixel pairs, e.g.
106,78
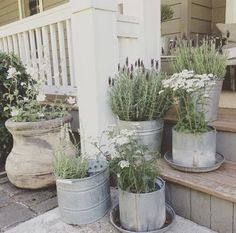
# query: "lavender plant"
135,93
202,60
65,167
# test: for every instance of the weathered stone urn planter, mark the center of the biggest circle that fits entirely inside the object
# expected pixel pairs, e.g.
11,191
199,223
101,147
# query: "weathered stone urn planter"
29,165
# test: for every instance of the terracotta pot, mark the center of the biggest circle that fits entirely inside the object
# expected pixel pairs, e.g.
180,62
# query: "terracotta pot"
29,165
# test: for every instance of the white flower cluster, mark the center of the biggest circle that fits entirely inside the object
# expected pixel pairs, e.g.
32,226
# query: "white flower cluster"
188,81
12,72
123,164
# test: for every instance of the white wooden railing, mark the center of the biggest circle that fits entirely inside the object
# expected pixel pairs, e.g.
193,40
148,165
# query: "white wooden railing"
43,42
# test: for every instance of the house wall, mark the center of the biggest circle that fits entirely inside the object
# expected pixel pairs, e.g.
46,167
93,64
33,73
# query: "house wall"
218,14
48,4
8,11
173,27
194,16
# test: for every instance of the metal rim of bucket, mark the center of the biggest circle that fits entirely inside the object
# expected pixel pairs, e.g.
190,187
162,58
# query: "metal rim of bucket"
218,162
170,213
83,179
156,191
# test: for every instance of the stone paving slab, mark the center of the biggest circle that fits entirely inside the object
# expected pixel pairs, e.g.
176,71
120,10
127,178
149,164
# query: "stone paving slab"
18,205
50,223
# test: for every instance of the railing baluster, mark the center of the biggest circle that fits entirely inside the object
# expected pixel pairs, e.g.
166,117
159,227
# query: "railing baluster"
62,54
53,37
33,52
27,49
46,55
5,45
9,42
41,62
1,45
68,33
21,44
15,44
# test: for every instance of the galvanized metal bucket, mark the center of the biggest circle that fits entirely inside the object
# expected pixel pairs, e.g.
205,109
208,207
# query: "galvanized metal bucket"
143,211
148,133
194,150
83,201
210,108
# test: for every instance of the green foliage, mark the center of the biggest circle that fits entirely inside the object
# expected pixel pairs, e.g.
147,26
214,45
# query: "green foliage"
188,90
134,167
7,61
166,13
29,108
190,119
202,60
135,94
65,167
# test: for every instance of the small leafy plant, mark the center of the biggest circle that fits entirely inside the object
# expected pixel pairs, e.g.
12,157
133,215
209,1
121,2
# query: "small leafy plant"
65,167
135,93
166,13
8,61
188,89
127,160
202,60
29,108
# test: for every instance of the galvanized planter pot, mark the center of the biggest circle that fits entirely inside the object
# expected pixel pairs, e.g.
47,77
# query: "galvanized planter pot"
83,201
143,212
211,107
29,165
194,150
148,133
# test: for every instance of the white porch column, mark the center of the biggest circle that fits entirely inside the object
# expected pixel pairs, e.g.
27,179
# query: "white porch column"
95,57
230,16
149,15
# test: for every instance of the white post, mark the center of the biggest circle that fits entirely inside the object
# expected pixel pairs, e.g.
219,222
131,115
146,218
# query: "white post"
95,58
149,15
230,16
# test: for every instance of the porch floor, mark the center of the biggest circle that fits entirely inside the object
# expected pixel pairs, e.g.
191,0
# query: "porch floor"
50,222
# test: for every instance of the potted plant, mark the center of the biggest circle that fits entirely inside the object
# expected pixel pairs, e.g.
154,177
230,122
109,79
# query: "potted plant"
136,101
141,190
193,140
166,15
83,188
204,60
9,62
37,130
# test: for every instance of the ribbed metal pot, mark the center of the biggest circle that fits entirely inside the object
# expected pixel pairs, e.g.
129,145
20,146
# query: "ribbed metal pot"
212,102
83,201
194,150
143,211
148,133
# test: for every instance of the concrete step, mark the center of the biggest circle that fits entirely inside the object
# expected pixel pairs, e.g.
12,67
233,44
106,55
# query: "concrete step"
50,222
